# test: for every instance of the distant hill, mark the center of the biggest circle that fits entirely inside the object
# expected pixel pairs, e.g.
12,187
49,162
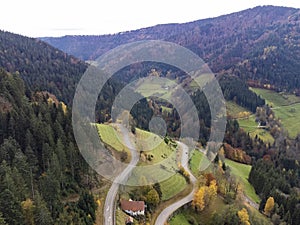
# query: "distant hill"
42,67
260,44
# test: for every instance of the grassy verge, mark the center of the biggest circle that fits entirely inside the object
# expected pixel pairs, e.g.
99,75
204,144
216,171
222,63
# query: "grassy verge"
172,186
241,171
195,162
165,204
179,219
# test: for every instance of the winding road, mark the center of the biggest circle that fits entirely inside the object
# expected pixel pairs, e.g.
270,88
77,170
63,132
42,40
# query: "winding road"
109,205
167,212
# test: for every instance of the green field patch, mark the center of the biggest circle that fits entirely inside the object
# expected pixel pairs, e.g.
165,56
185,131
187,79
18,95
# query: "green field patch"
195,161
250,126
275,99
179,219
172,186
161,88
166,109
111,136
153,147
241,171
153,173
289,116
235,111
286,108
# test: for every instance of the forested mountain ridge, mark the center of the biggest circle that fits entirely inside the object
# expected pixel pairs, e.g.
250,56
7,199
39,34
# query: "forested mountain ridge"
42,67
260,43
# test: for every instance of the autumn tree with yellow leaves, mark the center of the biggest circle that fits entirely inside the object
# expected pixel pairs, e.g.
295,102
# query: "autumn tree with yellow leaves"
204,196
244,216
269,206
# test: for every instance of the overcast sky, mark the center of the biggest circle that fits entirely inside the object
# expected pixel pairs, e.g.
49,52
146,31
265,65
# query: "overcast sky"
39,18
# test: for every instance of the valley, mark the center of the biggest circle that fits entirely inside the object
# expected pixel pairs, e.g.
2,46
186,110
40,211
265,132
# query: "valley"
251,176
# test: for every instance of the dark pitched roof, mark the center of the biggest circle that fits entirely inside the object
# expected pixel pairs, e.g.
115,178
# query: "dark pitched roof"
132,205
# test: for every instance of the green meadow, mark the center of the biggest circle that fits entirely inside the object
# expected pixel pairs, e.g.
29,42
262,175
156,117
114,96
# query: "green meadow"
111,136
172,186
286,108
241,171
234,110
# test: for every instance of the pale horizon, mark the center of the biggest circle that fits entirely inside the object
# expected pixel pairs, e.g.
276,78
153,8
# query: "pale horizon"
56,18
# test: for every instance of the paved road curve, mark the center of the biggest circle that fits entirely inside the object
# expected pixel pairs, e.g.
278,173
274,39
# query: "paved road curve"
109,206
167,212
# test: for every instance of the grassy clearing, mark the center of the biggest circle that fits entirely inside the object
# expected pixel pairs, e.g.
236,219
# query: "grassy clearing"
158,160
241,171
110,136
250,126
172,186
275,99
286,108
153,146
234,110
153,173
166,109
156,86
290,118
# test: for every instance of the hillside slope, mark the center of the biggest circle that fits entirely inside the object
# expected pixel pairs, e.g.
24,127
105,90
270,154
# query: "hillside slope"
261,43
41,66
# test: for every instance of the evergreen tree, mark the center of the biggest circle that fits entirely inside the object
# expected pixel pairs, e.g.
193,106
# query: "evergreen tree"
42,216
2,220
10,208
